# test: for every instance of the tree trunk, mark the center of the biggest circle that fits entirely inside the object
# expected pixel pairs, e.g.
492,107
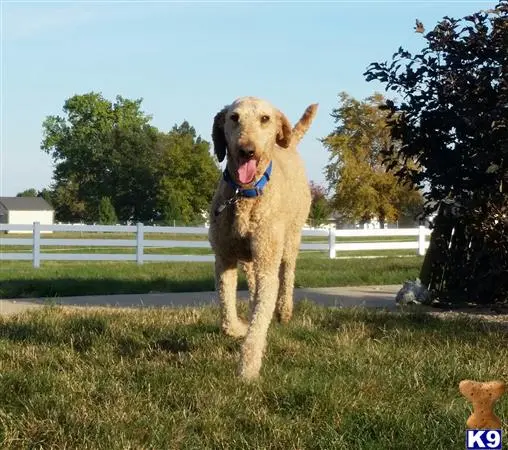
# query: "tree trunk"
435,264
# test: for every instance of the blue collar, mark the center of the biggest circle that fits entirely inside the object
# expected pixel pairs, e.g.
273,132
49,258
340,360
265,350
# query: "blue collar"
249,192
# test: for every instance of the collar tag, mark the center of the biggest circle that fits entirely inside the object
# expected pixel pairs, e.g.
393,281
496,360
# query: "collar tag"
228,202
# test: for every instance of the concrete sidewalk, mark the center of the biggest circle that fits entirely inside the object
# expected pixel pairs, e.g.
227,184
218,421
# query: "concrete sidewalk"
367,296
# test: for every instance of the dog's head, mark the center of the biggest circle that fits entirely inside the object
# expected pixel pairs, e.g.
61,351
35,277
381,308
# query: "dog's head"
249,130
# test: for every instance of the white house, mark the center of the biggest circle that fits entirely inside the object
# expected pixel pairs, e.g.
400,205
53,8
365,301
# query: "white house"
25,210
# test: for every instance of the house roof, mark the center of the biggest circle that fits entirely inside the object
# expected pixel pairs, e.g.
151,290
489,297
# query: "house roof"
25,204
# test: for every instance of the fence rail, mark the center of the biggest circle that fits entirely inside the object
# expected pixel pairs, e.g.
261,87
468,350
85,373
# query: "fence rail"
139,242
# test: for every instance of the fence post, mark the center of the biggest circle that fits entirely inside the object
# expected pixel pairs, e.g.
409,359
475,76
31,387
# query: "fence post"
421,240
139,243
36,249
331,243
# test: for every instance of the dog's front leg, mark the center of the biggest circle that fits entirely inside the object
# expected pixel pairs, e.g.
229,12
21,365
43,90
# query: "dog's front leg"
266,267
226,275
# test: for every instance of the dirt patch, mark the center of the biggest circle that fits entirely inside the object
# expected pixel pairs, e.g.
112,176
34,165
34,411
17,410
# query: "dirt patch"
484,315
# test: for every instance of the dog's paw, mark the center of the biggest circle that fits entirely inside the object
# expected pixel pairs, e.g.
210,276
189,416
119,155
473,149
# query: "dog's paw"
283,317
284,312
236,330
248,373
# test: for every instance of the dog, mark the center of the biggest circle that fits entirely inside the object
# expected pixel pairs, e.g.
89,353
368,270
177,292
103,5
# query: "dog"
257,214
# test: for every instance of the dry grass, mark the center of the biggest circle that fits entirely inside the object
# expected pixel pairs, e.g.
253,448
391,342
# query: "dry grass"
152,379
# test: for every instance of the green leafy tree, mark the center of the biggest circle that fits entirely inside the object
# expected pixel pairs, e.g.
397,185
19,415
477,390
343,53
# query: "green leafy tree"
187,175
109,149
46,194
320,208
107,214
135,175
68,206
28,193
362,187
102,149
452,118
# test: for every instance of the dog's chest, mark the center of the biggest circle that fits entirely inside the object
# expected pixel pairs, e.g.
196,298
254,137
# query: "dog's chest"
245,217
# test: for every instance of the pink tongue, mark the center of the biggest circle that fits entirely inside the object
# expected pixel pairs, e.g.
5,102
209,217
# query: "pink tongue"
247,171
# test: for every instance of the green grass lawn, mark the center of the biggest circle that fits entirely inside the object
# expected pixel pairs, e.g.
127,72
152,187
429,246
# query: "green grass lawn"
164,379
18,279
57,279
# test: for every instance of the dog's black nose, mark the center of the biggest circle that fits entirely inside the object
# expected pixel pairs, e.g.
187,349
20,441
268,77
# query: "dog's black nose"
246,152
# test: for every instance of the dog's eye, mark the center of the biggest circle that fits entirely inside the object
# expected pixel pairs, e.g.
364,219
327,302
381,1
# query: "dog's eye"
234,117
265,119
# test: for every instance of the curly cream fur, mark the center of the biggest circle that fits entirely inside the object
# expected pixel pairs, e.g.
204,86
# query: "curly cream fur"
261,233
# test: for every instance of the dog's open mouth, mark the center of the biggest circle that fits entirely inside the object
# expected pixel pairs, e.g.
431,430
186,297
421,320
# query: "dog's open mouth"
246,170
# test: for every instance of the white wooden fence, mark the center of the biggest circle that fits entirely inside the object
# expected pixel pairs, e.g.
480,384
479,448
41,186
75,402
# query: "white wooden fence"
36,241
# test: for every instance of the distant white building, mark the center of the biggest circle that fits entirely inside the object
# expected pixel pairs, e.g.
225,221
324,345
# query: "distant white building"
25,211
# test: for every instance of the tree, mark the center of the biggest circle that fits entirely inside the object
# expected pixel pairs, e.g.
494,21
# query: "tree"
28,193
410,206
320,208
107,214
356,174
46,194
102,149
109,149
68,206
134,174
187,175
452,119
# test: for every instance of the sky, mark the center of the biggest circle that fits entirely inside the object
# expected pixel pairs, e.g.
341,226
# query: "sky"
188,59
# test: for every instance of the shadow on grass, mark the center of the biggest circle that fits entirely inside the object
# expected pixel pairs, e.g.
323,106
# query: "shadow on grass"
83,332
380,324
133,346
62,287
79,332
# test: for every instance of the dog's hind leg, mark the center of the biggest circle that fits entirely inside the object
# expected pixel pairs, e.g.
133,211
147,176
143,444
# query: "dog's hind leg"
284,307
250,275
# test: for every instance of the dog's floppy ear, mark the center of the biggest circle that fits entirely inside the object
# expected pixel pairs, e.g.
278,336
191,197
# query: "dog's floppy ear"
283,137
218,136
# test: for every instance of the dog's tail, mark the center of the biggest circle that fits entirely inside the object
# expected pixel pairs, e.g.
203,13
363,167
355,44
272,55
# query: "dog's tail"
303,125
